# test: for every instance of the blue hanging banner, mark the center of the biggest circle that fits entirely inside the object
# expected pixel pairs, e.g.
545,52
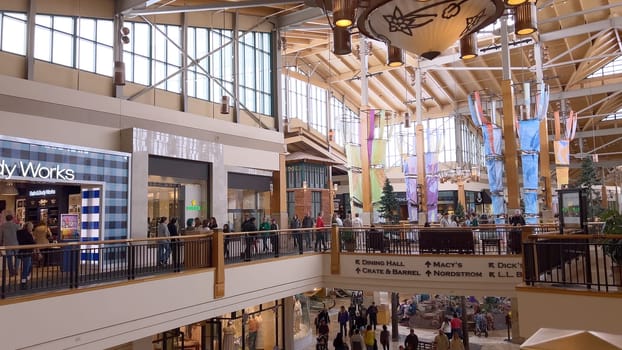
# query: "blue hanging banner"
529,135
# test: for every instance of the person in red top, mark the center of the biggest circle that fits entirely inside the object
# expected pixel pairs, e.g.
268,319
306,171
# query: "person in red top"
320,235
456,325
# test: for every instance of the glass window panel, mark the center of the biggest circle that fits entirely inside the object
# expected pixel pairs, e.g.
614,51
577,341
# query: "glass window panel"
43,20
202,86
104,60
86,28
159,74
129,67
105,29
43,48
14,33
174,83
63,24
192,90
173,53
86,55
141,70
62,50
141,39
202,43
159,47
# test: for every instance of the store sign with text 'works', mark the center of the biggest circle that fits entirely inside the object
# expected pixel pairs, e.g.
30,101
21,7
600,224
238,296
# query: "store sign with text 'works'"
35,171
500,269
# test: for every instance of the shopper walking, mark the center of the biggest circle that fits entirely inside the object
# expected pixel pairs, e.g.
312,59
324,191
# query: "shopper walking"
412,341
164,248
320,237
385,337
8,237
25,237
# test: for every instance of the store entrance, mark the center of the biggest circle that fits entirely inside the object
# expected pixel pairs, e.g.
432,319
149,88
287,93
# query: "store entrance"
164,199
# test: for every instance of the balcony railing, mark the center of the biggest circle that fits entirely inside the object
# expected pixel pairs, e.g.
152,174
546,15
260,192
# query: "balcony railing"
73,265
80,264
572,261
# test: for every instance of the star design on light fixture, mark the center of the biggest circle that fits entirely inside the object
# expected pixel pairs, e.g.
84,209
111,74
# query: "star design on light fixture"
471,22
399,22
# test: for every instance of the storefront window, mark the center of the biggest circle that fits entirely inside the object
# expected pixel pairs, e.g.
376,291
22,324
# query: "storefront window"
245,204
302,320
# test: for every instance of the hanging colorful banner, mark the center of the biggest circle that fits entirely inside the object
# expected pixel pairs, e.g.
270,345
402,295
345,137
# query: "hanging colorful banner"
371,126
377,178
355,179
410,177
493,152
378,152
431,171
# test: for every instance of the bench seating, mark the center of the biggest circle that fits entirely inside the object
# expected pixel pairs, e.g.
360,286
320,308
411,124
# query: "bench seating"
446,240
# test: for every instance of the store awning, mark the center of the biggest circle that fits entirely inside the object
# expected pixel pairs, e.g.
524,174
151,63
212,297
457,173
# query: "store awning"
562,339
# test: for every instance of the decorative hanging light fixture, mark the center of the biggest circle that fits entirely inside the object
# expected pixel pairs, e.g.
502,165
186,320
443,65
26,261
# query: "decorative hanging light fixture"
343,12
395,56
224,105
525,19
119,73
426,28
515,2
468,46
342,44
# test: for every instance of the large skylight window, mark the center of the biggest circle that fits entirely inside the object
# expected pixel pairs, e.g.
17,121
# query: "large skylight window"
611,68
614,116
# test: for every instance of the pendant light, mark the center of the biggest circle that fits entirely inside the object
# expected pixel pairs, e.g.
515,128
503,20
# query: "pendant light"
468,46
343,12
525,19
515,2
395,56
342,44
224,105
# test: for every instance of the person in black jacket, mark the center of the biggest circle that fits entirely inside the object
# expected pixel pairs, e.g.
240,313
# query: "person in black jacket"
412,341
175,244
249,226
25,237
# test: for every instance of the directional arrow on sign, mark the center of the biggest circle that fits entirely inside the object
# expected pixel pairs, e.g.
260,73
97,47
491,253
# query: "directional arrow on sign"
427,264
428,273
358,270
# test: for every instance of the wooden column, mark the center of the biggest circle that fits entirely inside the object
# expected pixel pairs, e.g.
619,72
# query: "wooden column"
218,262
364,133
511,149
545,164
461,194
335,248
278,198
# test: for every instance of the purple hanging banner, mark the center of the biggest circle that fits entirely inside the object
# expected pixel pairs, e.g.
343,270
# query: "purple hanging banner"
431,171
410,175
370,132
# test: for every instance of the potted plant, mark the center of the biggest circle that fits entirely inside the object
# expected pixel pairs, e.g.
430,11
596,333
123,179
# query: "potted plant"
613,247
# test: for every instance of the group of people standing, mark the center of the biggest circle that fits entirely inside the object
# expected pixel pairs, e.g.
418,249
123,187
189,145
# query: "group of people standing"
169,228
252,240
16,234
303,238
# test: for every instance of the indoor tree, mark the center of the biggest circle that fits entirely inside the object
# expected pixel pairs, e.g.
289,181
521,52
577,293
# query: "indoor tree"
589,178
389,206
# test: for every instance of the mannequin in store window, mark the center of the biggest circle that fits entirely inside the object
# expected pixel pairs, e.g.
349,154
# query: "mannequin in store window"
297,315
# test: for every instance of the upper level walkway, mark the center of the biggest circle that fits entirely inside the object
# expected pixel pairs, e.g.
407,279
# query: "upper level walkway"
124,290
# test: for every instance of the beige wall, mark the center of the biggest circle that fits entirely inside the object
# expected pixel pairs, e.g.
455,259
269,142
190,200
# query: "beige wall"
557,308
12,65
